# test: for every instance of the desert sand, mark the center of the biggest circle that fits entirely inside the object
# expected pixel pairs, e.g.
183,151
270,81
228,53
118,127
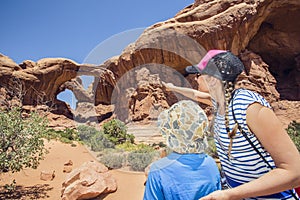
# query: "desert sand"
130,184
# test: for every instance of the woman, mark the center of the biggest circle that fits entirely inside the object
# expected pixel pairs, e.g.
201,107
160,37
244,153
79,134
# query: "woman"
187,173
258,158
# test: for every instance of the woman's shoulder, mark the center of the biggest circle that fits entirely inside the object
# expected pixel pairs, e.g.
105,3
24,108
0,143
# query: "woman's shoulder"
246,97
247,94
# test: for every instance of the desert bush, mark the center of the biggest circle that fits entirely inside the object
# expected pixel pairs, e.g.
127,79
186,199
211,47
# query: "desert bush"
70,134
116,131
212,149
108,151
85,133
294,132
10,187
94,138
160,144
66,136
98,142
141,148
126,146
21,143
139,161
113,160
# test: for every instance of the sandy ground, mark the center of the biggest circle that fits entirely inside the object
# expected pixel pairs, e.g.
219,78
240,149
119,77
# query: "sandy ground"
130,184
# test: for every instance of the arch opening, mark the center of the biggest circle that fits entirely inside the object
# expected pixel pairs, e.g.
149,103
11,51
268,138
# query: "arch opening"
68,97
278,43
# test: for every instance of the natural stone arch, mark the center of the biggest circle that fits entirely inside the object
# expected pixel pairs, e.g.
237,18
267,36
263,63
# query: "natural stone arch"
230,25
260,26
81,94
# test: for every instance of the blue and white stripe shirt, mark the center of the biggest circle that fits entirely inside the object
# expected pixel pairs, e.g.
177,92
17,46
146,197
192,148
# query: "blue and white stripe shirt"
243,164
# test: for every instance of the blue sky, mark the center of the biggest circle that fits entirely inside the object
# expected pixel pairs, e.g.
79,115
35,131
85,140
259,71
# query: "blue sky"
75,29
35,29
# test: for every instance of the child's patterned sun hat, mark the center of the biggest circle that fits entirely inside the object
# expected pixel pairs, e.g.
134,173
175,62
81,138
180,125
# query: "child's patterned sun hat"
183,126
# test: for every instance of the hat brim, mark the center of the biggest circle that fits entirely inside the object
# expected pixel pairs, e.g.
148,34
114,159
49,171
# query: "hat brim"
192,70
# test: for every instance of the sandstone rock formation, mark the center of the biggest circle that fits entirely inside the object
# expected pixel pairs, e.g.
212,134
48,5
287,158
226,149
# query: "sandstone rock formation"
47,176
255,30
68,166
88,181
141,98
233,25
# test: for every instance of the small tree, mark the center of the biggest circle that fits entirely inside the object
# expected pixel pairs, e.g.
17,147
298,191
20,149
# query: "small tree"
116,132
294,132
21,140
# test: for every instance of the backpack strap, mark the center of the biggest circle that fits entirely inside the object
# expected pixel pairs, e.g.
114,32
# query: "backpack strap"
248,139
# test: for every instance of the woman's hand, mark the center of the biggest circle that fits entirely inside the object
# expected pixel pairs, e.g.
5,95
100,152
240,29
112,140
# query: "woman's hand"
168,86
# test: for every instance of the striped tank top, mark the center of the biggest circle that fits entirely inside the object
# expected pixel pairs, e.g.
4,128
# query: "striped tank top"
243,164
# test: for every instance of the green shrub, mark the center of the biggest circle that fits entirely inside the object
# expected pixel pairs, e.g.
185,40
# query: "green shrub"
66,136
116,131
51,134
85,133
98,142
160,144
139,161
212,149
10,188
70,134
294,132
126,146
141,148
21,143
113,160
93,138
108,151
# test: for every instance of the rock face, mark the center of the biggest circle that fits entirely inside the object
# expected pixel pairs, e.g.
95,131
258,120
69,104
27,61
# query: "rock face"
142,98
259,77
88,181
231,25
267,43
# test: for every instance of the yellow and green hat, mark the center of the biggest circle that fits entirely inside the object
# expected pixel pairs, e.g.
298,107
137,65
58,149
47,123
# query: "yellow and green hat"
183,126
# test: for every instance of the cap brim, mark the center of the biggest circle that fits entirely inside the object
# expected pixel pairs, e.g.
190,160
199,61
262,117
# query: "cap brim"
192,70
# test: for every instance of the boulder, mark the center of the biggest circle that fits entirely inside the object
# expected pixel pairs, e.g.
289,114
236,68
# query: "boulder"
88,181
47,175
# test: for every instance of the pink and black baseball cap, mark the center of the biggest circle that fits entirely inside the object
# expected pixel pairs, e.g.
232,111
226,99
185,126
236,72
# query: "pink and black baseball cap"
218,63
